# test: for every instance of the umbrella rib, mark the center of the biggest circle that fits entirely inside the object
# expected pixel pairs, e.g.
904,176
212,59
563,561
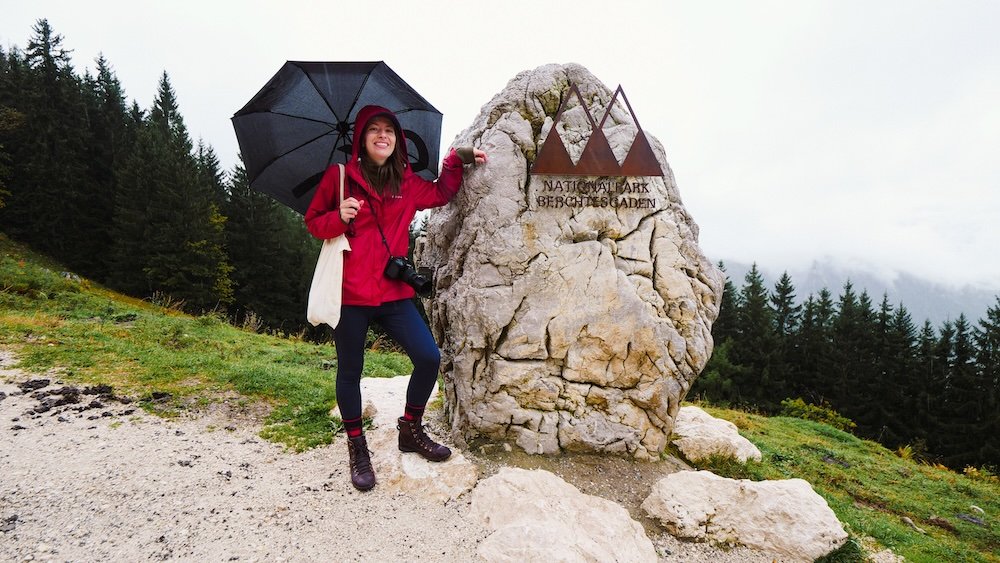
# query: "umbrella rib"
408,110
303,118
333,151
357,94
320,92
291,150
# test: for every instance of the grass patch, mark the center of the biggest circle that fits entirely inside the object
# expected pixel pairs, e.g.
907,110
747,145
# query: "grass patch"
169,361
871,489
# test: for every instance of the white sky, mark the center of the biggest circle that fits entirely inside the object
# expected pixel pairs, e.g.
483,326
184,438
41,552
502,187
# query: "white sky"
866,132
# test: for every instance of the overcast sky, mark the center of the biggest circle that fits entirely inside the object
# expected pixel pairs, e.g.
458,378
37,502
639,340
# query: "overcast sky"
866,132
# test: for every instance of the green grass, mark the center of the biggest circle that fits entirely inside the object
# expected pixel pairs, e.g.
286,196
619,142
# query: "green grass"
96,336
871,489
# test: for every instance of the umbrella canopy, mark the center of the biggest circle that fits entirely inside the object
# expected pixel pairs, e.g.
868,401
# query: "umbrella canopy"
302,121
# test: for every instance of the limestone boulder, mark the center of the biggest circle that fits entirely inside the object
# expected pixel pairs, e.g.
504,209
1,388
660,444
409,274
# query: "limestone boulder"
572,326
699,435
785,517
536,516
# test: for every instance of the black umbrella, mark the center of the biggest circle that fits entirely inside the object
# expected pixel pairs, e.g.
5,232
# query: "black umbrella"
302,121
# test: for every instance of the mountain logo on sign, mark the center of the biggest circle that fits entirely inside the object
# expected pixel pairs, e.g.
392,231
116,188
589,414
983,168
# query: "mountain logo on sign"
597,159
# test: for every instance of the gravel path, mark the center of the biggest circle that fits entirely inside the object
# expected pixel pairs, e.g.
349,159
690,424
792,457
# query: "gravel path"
138,487
107,482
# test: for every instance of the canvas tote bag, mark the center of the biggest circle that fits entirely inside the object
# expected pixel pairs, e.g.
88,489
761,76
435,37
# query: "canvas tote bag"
328,279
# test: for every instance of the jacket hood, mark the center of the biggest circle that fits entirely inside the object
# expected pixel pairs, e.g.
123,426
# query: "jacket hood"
364,116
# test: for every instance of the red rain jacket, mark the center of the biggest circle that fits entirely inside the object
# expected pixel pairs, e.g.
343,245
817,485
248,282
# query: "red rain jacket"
364,282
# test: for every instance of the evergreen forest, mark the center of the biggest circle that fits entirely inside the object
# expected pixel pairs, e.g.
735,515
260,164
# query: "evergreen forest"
124,196
867,368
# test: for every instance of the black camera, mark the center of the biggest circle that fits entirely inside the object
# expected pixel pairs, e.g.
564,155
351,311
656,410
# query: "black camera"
400,268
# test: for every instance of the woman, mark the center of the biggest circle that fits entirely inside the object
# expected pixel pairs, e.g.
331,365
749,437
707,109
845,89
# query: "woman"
382,195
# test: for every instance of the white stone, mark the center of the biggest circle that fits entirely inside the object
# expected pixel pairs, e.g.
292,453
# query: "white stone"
785,517
536,516
408,472
699,435
599,317
415,476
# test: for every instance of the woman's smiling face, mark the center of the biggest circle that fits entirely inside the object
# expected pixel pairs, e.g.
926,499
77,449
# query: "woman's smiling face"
380,139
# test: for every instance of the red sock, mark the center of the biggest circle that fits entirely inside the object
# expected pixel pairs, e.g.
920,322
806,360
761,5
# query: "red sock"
413,412
353,427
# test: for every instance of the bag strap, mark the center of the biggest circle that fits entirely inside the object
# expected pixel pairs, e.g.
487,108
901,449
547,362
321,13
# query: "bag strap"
341,166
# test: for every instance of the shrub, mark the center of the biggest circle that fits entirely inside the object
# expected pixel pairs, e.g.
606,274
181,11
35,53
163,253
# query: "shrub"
981,474
823,412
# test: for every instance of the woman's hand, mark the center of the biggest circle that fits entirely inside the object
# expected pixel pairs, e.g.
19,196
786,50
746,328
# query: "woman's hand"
349,209
470,155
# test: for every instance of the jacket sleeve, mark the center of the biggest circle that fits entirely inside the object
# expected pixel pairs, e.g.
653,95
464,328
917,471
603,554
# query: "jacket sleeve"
323,216
435,194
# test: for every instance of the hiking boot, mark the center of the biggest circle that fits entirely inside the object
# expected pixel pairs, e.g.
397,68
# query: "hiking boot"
362,474
412,438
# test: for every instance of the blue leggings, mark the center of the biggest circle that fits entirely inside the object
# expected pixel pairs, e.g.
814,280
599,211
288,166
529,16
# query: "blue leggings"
402,323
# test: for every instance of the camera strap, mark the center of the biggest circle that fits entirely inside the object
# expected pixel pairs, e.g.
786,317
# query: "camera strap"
379,225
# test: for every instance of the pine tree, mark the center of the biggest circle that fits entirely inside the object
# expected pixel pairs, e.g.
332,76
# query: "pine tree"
717,380
877,417
815,377
210,174
785,314
853,337
895,355
110,135
866,399
940,370
847,346
926,388
13,69
48,185
186,229
142,164
754,346
987,341
964,405
10,119
724,327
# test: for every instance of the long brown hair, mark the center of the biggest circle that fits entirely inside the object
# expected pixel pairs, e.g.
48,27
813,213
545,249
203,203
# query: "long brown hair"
387,177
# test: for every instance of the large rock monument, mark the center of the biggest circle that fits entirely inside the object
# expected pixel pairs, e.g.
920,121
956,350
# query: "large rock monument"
573,311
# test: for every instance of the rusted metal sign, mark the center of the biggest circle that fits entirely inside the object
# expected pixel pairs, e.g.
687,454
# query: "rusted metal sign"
597,158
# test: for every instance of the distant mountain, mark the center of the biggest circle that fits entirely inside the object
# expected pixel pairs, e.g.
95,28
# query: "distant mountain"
924,299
